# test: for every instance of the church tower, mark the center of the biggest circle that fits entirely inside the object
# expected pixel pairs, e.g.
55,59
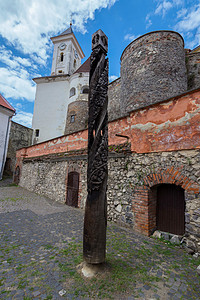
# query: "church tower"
67,53
67,84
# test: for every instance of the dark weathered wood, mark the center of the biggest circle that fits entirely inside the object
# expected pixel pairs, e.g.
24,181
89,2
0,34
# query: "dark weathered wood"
72,189
171,209
95,222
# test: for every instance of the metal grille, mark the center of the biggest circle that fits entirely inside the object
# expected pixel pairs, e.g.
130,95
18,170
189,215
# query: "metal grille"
170,209
72,189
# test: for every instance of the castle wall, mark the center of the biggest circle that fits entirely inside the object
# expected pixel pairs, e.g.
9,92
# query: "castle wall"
77,116
155,145
20,136
166,126
152,69
193,69
114,93
130,178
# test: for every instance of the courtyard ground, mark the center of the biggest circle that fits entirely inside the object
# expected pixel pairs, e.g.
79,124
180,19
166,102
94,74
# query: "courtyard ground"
41,247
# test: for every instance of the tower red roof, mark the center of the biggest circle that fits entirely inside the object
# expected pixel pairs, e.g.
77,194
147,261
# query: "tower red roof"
85,67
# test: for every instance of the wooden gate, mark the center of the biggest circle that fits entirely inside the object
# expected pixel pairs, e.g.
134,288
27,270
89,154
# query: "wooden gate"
17,175
72,189
170,209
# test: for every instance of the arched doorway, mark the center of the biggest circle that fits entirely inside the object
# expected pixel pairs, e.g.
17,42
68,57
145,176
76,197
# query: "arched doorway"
72,189
17,175
170,209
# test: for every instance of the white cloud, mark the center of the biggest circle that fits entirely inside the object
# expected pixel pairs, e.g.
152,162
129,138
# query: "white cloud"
7,57
181,13
130,37
189,23
191,20
148,20
23,118
28,24
163,7
16,84
112,78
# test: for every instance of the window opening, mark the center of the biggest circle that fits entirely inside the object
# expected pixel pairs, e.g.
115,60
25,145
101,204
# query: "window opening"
85,90
37,132
72,120
61,56
72,92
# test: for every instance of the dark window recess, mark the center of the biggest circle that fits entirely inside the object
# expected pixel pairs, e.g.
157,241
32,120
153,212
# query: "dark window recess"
37,132
72,189
170,209
61,56
72,119
85,91
72,92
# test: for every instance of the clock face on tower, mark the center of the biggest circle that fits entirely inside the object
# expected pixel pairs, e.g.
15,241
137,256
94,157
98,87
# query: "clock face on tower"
62,46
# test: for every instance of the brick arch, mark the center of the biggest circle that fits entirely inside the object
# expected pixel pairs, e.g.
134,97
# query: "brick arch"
144,200
171,176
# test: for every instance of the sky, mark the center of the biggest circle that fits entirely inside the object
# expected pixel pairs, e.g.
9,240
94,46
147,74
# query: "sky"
26,27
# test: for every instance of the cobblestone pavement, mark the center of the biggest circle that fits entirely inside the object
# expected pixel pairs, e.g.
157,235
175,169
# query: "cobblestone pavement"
41,247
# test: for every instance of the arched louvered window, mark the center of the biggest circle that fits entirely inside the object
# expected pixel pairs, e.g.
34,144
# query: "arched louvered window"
85,90
72,92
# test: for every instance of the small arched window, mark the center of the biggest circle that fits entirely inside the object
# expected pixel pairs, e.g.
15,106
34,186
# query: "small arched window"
61,56
85,90
72,92
74,64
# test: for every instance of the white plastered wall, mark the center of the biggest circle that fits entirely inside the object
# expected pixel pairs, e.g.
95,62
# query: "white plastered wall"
4,136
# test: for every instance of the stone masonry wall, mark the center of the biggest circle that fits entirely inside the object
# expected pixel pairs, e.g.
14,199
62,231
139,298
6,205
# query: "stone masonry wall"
127,173
78,109
114,92
152,69
193,70
20,136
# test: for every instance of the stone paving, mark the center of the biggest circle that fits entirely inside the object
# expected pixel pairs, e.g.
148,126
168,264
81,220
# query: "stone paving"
41,239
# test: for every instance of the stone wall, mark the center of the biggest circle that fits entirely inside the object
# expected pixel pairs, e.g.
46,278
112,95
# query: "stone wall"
193,69
20,136
128,174
77,116
166,126
114,93
152,69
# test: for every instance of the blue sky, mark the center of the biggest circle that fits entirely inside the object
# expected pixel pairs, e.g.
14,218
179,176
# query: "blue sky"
26,27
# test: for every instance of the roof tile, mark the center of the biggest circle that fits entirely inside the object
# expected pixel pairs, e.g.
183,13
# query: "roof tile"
5,103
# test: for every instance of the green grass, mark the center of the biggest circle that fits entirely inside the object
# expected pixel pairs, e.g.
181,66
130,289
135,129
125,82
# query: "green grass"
128,265
12,199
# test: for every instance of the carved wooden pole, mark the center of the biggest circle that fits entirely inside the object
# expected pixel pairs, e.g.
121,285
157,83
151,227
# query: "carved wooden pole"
95,222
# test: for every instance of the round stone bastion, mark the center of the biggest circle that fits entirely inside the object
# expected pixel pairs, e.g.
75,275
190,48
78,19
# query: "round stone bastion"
77,116
152,69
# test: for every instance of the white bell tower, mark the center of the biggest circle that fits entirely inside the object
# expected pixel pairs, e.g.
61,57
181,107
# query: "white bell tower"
67,53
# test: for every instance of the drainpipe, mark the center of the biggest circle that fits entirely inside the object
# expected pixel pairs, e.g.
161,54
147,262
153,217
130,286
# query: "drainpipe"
5,147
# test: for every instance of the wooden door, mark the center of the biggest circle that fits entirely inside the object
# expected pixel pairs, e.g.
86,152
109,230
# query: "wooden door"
17,175
72,189
170,209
